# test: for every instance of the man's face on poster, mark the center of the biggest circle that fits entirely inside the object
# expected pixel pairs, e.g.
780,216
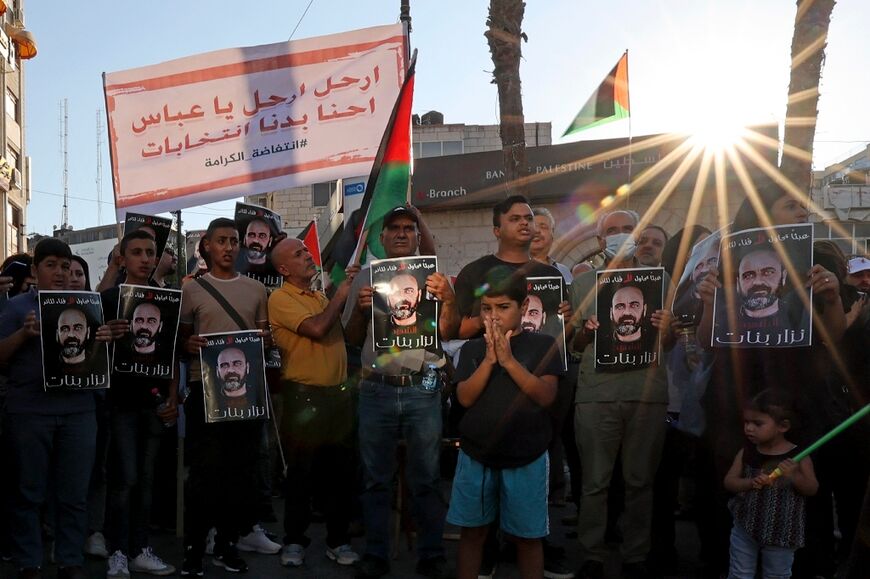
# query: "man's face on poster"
708,262
627,312
72,335
145,326
534,317
257,240
232,371
403,299
760,279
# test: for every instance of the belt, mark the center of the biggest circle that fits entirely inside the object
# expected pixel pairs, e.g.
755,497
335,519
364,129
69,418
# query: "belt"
397,380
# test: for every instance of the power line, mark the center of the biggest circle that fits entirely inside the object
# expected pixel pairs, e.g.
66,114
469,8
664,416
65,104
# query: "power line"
300,20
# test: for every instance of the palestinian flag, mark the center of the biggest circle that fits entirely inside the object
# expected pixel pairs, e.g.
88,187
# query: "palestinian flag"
608,103
311,241
386,188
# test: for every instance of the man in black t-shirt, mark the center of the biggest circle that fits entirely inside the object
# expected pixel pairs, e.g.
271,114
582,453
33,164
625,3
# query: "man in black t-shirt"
513,226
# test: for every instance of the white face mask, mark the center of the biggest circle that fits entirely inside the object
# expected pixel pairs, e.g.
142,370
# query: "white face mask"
613,244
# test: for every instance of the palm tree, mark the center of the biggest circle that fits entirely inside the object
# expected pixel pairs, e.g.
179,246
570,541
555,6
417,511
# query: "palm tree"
807,58
504,33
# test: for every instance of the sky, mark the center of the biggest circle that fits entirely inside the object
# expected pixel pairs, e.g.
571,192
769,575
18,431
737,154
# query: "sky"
691,62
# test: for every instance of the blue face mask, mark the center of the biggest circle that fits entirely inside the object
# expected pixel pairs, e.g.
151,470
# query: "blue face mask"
613,244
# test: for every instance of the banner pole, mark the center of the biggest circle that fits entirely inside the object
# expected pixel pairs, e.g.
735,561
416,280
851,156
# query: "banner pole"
180,248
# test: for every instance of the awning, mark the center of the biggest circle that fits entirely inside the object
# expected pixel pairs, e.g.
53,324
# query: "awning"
23,39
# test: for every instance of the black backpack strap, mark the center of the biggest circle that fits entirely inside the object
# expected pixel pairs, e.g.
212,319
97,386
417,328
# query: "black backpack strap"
230,310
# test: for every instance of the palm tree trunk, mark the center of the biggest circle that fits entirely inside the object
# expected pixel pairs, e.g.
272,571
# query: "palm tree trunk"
504,32
807,58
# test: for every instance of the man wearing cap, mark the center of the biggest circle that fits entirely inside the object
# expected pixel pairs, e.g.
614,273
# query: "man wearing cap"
859,274
393,405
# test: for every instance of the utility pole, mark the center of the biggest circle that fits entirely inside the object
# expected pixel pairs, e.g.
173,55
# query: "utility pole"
64,133
99,179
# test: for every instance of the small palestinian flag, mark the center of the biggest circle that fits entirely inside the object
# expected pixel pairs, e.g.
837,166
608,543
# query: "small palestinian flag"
608,103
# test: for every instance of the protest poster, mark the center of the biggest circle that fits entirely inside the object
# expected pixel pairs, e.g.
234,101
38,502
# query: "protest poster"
762,272
148,349
403,316
542,312
704,256
234,377
195,262
258,229
159,227
72,358
245,121
625,301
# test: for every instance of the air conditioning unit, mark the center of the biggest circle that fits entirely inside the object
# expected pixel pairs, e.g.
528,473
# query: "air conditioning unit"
16,180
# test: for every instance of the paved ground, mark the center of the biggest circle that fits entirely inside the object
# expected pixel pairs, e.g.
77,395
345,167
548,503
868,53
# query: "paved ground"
317,566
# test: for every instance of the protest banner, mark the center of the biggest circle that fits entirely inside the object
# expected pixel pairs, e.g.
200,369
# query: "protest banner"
234,377
244,121
72,359
762,272
195,261
149,348
625,302
542,313
403,316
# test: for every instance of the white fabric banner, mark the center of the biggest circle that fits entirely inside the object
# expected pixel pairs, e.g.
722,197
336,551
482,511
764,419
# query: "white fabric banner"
245,121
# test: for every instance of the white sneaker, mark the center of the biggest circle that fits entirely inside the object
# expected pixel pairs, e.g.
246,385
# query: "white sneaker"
209,541
343,555
292,555
95,546
118,566
148,562
257,542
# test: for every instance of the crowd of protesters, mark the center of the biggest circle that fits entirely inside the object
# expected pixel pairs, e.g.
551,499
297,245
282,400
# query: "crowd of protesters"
693,436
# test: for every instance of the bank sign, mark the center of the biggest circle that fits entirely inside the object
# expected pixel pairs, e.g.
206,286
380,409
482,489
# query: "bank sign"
586,170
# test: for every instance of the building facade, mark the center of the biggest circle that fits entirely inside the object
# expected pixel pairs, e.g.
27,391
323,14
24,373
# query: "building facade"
14,164
841,203
458,176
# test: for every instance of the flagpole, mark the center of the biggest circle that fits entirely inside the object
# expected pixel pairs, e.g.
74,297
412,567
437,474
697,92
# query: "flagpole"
630,158
405,19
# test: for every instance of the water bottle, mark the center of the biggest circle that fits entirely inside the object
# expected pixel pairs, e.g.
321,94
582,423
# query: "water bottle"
161,405
430,379
686,333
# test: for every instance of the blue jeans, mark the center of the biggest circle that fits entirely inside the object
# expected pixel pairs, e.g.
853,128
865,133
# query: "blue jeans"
386,415
61,448
775,561
135,440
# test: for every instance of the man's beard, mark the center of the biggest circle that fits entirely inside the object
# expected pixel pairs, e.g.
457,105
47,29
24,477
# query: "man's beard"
233,382
529,327
403,310
256,251
143,339
71,348
759,298
627,325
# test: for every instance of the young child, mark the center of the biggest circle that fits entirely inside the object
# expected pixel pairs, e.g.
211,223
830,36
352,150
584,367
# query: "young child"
768,515
506,380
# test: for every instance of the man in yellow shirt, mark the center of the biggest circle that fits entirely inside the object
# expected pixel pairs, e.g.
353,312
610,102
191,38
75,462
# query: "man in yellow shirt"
318,419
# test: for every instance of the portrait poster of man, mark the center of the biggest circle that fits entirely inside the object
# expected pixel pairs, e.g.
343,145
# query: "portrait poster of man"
148,349
542,313
625,302
159,227
258,231
403,316
234,377
195,261
72,359
704,256
762,272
